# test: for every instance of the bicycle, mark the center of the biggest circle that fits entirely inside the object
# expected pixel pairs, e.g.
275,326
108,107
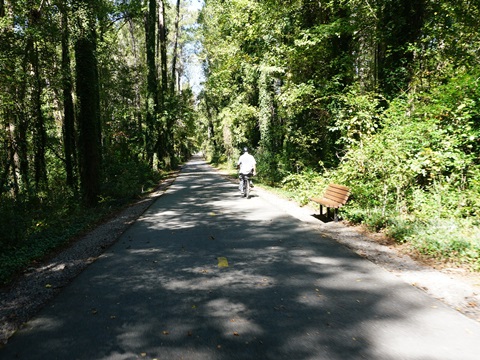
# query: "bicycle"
246,186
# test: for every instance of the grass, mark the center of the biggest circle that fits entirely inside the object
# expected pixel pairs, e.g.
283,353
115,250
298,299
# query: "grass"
449,240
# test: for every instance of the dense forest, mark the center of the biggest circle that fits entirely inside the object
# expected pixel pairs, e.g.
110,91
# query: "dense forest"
380,95
95,109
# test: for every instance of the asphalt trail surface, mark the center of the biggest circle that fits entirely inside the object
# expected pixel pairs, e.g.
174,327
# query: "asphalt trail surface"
207,274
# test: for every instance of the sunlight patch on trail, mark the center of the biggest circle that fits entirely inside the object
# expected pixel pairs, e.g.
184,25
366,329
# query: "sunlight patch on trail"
213,281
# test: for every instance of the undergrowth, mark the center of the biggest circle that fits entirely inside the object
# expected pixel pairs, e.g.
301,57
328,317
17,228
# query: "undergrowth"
32,229
435,229
43,236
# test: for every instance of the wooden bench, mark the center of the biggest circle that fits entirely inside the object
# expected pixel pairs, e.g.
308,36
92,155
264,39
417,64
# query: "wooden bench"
335,197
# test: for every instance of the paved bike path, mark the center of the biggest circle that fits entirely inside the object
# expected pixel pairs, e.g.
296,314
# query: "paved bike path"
207,274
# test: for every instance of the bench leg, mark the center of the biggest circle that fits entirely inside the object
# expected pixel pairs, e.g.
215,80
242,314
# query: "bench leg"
335,213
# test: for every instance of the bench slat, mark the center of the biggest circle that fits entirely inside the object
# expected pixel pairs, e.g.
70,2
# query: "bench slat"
327,202
336,196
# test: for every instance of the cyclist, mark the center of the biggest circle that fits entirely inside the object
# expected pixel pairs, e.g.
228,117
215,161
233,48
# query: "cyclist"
247,166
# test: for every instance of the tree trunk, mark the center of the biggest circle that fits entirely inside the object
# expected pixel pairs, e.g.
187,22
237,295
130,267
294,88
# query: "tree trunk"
171,112
68,109
21,125
39,132
164,143
152,83
162,40
138,103
400,25
175,49
88,115
13,160
267,117
7,109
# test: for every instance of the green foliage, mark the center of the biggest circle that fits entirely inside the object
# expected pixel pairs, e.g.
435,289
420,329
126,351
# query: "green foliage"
127,178
32,229
414,173
382,97
453,240
304,185
238,120
39,199
357,117
270,167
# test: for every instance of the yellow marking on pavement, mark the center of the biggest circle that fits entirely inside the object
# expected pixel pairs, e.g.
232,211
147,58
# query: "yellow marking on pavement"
222,262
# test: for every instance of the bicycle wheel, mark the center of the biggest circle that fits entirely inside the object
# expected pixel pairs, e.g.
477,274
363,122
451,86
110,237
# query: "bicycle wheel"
246,187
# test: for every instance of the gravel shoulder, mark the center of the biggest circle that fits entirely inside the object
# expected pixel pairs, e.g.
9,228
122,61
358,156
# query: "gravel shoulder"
37,286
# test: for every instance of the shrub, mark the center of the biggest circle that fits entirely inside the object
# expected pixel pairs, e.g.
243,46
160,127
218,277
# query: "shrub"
449,239
304,185
127,178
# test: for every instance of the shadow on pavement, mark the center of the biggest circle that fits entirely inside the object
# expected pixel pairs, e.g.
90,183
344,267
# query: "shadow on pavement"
287,292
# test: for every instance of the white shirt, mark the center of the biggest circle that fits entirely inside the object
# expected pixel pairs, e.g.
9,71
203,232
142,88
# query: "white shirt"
247,163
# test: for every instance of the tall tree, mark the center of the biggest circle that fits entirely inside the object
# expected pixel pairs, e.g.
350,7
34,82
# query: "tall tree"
22,122
87,97
162,44
400,25
38,125
10,160
164,144
68,128
173,75
152,82
137,83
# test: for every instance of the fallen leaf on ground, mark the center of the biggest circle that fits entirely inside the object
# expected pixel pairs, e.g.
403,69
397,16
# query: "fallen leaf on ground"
222,262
